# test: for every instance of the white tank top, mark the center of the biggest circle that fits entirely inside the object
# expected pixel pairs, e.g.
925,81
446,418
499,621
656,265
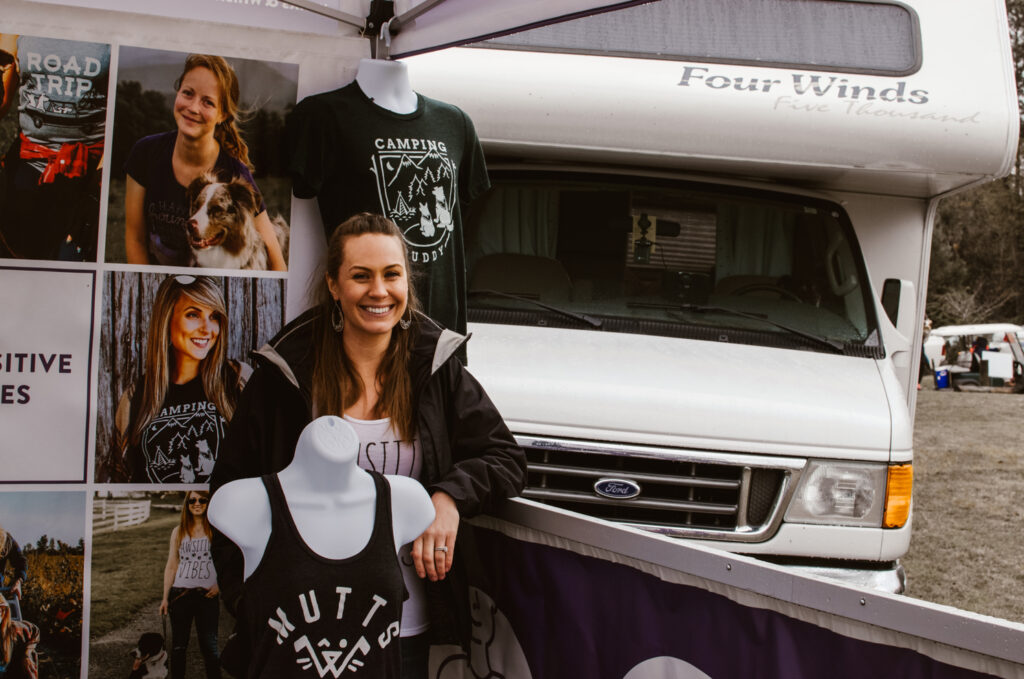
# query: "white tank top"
195,564
380,449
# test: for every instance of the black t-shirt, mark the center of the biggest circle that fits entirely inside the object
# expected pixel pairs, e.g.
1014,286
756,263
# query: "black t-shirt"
166,206
182,440
417,169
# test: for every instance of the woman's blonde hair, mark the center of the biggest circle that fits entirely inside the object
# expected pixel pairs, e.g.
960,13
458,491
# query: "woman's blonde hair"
226,133
6,632
336,384
188,520
219,385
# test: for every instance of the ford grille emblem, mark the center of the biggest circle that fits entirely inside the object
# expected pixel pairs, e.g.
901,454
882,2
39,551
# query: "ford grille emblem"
617,489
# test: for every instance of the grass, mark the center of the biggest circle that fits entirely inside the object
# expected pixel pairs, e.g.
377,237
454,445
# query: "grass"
965,550
128,571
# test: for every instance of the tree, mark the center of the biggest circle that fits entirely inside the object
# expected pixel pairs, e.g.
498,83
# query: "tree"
977,259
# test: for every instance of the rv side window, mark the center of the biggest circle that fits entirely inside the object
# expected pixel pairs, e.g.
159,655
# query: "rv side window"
858,37
686,261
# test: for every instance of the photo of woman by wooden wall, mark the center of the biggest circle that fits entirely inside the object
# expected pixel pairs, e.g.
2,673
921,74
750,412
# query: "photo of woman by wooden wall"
173,359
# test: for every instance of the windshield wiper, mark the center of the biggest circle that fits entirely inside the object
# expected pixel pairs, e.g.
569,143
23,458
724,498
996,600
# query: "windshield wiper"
835,345
582,318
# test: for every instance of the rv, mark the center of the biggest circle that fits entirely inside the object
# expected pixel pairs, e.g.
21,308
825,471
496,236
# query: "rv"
697,282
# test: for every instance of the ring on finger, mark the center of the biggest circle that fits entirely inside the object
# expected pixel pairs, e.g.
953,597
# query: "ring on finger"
442,548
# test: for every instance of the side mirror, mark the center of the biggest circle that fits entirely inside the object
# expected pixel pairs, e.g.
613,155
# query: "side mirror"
898,301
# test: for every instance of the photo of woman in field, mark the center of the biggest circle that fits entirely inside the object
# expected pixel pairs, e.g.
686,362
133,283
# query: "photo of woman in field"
152,607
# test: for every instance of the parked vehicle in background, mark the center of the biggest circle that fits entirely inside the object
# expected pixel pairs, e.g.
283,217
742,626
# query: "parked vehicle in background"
946,342
697,283
958,356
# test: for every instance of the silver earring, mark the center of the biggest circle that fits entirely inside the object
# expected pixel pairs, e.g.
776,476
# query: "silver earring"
406,322
337,318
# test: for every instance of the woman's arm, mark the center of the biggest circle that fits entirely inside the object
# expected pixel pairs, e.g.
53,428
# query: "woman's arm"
20,565
135,236
486,464
274,254
170,570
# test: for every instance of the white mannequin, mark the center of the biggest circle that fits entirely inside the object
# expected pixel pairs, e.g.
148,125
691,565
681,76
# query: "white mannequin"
387,84
331,499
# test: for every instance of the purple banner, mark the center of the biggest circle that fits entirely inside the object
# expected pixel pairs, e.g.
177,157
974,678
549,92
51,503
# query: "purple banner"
580,616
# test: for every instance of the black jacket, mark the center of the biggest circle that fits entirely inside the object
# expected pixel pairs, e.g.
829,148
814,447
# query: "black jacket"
468,452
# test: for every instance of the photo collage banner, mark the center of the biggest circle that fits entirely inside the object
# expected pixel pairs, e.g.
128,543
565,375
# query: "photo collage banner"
130,320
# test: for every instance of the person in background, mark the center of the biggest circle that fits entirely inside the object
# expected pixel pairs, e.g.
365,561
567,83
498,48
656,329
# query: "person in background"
50,174
190,587
926,366
18,640
11,557
979,346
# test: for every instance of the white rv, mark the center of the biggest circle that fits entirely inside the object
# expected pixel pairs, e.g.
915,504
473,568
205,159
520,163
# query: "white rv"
697,284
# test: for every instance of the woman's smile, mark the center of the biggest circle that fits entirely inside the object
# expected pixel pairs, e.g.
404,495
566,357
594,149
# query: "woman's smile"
194,330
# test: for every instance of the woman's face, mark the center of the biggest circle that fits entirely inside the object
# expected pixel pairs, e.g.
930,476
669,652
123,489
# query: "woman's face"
194,330
372,284
197,106
197,504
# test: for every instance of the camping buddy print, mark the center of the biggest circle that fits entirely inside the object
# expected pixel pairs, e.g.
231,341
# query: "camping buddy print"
416,183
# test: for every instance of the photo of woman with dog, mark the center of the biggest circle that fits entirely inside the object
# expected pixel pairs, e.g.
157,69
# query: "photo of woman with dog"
171,423
190,587
364,352
166,220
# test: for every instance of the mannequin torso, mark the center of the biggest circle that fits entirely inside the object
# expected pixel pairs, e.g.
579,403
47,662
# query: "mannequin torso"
330,498
387,84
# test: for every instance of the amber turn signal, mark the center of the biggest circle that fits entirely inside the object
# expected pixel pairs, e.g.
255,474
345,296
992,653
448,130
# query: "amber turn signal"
897,496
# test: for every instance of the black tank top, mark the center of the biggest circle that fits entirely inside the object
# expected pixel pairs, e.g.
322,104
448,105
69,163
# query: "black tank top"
309,616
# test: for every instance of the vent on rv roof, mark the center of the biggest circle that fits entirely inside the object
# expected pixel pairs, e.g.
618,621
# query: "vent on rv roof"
855,37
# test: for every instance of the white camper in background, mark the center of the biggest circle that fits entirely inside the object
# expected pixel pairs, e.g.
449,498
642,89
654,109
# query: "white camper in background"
697,284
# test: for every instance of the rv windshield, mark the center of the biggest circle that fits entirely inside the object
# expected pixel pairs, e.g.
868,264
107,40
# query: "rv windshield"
683,260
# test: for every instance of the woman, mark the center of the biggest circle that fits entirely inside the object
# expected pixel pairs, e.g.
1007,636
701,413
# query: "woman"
363,352
170,424
190,587
18,640
160,167
11,555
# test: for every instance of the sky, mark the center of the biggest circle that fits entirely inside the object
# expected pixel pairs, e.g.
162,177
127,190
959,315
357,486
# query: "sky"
57,514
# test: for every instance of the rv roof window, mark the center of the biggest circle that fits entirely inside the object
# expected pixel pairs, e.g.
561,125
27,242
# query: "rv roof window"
857,37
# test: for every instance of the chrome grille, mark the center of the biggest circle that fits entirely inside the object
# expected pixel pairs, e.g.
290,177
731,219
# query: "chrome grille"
684,493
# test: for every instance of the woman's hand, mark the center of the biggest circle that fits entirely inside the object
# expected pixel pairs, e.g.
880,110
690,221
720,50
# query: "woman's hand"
212,591
16,589
163,606
431,561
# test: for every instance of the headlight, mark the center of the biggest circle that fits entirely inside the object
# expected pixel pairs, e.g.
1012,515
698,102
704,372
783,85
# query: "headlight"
840,493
